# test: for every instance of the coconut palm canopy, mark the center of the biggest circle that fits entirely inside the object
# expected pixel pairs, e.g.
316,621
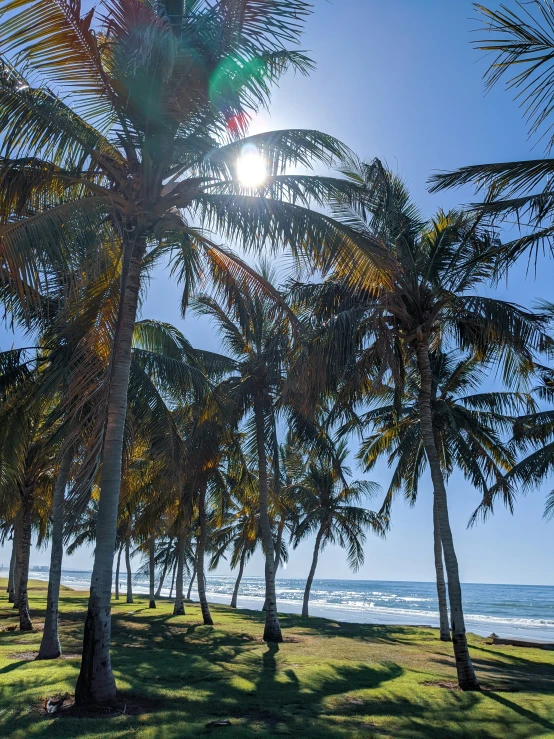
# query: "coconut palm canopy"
125,148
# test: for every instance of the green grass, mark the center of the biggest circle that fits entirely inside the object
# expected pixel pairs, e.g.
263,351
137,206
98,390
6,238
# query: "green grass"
327,680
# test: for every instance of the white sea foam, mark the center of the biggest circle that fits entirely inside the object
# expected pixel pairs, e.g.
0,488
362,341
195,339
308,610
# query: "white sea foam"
508,610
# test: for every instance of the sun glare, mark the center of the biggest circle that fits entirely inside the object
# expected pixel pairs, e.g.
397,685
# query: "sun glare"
251,168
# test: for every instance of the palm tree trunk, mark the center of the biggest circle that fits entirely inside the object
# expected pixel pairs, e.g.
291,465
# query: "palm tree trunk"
278,543
152,563
50,647
272,630
16,545
239,578
24,554
311,574
179,606
441,585
164,572
96,682
466,674
129,573
11,577
173,579
193,578
117,568
200,552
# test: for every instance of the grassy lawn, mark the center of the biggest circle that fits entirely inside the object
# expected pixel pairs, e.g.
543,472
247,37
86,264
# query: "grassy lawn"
327,679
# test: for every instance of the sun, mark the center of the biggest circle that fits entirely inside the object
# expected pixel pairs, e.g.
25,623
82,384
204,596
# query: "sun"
251,168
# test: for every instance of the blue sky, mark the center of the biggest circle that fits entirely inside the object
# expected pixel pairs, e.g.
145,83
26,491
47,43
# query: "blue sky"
400,80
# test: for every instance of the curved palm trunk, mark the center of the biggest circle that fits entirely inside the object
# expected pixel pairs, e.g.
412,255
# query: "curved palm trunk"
200,552
164,572
311,574
193,578
50,647
179,606
129,573
239,578
173,579
117,569
96,682
12,575
23,556
466,674
278,543
152,563
441,585
272,630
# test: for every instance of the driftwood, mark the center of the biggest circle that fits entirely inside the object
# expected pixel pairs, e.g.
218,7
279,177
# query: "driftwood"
521,643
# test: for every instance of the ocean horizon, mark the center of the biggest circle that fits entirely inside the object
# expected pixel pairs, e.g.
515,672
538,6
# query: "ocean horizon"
516,611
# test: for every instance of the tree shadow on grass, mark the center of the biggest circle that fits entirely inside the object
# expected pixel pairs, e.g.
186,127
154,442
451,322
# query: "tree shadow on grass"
328,628
521,711
11,666
193,674
504,672
191,689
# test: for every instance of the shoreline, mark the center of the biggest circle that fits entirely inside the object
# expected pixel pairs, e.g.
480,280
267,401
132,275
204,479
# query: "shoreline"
474,624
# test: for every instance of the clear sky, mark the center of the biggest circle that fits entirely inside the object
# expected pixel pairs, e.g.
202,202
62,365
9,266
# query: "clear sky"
400,80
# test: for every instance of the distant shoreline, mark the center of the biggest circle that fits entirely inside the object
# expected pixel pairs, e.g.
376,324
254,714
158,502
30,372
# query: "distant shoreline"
281,576
510,611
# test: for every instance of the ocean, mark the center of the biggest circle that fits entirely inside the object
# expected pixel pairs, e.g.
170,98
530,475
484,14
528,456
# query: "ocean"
524,611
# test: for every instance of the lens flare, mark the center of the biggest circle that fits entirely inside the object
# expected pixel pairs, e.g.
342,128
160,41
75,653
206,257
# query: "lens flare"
251,168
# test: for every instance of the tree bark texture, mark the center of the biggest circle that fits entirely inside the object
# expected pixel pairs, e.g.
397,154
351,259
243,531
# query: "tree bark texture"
179,605
96,682
12,575
173,579
152,568
23,556
129,572
278,543
272,630
200,552
50,647
117,569
441,584
311,574
466,674
193,578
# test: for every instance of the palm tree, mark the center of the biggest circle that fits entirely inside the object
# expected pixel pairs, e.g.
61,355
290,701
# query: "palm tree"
50,647
257,340
533,439
119,550
165,552
330,508
160,96
180,527
200,554
370,332
467,425
28,463
237,524
193,575
208,429
519,192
